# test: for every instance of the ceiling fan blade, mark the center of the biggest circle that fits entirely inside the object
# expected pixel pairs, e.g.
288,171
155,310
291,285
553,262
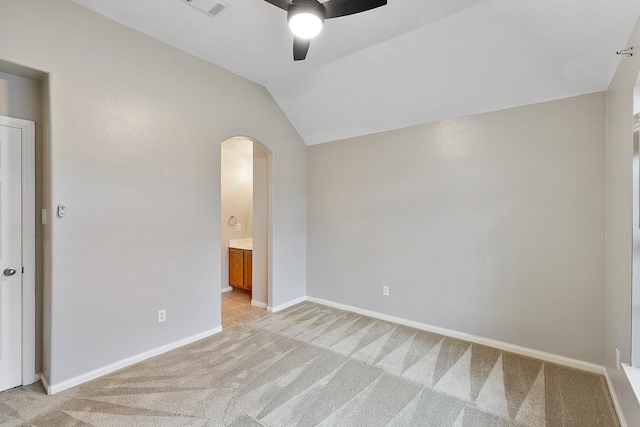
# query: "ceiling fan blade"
336,8
300,48
282,4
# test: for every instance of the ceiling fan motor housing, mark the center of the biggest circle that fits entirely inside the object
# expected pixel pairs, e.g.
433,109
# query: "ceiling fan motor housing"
307,6
306,17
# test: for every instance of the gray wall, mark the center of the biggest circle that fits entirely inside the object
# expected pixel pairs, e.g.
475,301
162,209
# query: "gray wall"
135,135
619,227
491,225
21,98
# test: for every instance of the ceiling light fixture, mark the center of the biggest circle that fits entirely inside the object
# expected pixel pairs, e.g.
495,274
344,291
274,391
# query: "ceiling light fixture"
306,18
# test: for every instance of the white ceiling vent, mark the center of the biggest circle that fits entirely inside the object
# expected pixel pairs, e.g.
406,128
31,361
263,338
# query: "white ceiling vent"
210,7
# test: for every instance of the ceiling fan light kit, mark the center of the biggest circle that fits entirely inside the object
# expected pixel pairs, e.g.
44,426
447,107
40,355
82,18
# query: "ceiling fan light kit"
305,25
307,16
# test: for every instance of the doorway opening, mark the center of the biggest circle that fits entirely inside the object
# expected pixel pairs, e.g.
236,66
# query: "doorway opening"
245,222
24,111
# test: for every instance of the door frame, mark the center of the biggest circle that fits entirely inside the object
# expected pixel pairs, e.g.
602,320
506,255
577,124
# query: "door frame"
27,127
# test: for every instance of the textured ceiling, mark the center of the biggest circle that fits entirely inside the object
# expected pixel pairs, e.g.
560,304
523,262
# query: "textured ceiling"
406,63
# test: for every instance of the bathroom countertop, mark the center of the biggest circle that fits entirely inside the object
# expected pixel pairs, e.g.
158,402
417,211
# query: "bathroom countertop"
244,244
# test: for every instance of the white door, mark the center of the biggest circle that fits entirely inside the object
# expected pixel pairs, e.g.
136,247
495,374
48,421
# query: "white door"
10,257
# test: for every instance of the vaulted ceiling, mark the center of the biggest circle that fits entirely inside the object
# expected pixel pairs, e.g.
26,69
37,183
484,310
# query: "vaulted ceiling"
406,63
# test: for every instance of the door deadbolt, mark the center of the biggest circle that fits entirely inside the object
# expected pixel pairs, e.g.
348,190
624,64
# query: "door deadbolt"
9,271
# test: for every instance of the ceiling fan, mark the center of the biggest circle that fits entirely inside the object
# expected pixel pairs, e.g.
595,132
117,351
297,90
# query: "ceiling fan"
306,17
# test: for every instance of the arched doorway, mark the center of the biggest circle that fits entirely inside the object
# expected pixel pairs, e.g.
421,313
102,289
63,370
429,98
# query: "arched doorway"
246,223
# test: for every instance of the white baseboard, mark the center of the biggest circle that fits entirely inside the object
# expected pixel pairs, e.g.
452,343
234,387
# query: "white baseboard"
258,304
80,379
614,398
524,351
286,305
44,382
227,289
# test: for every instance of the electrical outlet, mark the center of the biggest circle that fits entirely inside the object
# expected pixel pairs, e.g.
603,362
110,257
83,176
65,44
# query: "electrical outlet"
385,291
238,227
617,359
162,315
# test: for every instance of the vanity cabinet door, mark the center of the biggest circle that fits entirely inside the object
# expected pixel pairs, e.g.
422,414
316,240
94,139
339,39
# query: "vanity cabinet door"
236,261
247,269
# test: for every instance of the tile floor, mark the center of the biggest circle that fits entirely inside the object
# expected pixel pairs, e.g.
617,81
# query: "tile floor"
237,308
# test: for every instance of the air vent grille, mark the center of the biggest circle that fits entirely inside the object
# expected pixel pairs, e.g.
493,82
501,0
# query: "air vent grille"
210,7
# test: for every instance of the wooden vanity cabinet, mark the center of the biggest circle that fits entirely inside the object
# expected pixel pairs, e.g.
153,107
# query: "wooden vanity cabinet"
240,270
248,255
236,268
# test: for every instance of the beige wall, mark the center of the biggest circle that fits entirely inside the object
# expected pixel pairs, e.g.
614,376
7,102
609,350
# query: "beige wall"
22,98
19,97
135,133
635,279
619,225
260,254
491,225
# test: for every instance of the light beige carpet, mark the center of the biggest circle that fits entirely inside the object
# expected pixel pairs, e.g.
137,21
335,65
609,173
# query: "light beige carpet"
312,365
